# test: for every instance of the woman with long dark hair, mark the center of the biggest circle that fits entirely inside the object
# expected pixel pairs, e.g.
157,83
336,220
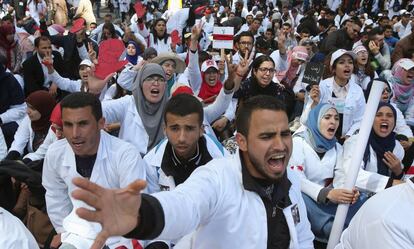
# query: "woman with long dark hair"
261,83
159,38
108,32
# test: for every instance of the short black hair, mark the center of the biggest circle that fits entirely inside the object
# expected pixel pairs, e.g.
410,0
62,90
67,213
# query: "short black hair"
184,104
40,38
244,33
375,31
305,31
83,99
259,102
356,21
287,24
8,18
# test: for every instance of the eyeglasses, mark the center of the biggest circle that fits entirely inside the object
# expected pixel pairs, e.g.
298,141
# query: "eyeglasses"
265,70
246,44
151,80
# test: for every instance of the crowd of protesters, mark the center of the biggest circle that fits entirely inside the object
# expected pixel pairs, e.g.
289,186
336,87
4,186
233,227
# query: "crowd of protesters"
238,148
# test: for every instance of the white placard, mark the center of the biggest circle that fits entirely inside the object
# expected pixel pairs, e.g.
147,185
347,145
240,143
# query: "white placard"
223,42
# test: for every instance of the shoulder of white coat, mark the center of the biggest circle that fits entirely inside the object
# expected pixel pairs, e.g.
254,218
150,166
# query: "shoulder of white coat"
57,146
355,88
154,156
326,82
294,179
224,165
215,148
56,151
297,139
117,147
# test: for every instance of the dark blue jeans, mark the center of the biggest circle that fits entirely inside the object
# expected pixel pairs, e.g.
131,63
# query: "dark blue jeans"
321,216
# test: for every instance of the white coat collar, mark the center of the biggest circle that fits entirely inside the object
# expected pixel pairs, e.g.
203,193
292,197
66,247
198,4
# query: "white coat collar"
69,156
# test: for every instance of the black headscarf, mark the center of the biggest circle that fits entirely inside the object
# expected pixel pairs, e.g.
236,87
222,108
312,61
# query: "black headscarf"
380,145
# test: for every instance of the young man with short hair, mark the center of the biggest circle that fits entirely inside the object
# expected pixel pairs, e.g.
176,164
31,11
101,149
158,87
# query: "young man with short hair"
244,42
87,151
389,38
185,148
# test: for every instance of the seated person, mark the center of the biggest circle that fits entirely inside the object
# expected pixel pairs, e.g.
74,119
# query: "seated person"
186,148
34,127
381,166
342,91
89,152
55,133
316,155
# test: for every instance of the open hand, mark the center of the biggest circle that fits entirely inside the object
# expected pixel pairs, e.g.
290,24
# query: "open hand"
116,210
373,47
95,85
393,163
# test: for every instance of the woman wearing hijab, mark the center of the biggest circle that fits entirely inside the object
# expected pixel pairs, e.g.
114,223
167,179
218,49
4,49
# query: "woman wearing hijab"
295,58
381,166
133,52
401,126
9,47
140,114
402,82
315,157
54,133
34,127
211,84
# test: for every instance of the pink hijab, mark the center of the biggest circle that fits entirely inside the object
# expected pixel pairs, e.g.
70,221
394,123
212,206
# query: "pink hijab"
286,77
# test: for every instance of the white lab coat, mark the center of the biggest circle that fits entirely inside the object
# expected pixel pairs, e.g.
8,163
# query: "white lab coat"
71,86
178,21
41,151
368,179
156,177
313,170
132,129
117,164
401,126
15,113
14,235
161,46
354,105
23,137
383,222
208,25
214,201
